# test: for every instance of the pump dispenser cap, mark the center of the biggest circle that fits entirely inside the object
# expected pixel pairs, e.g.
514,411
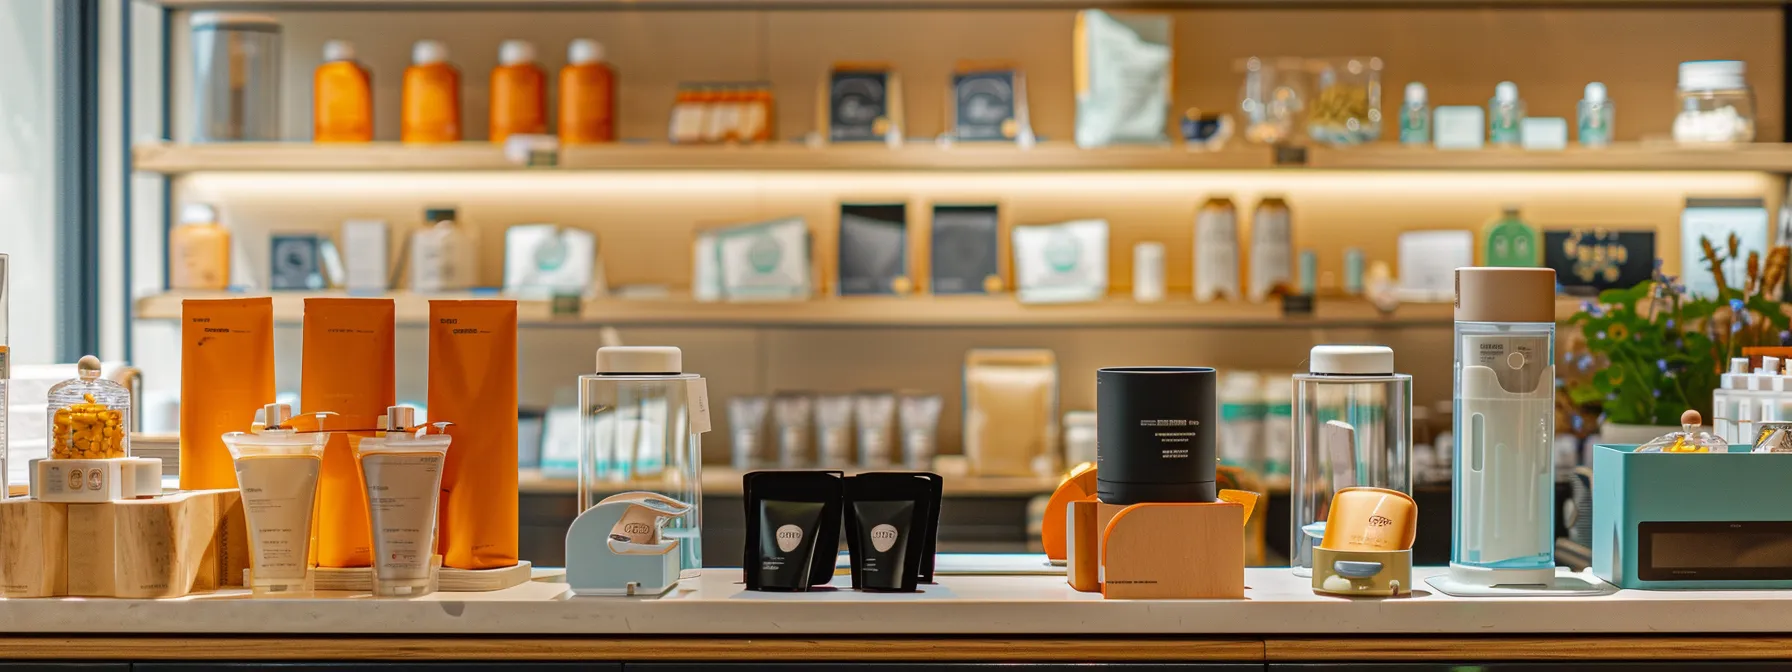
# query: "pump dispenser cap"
1351,359
1505,294
339,50
513,52
197,213
428,52
1415,93
624,359
1595,92
584,51
1505,92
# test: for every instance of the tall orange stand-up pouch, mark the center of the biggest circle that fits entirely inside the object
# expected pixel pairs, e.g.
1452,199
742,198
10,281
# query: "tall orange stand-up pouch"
348,370
226,375
472,383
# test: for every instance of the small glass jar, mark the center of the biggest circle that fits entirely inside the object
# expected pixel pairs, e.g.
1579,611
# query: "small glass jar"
1716,104
89,417
1273,98
1347,108
236,77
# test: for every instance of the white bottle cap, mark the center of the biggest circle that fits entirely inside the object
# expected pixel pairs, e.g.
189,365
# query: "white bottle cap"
1738,365
1351,359
1415,93
1770,365
428,52
514,52
1505,92
639,359
1712,75
198,213
339,50
1595,92
584,51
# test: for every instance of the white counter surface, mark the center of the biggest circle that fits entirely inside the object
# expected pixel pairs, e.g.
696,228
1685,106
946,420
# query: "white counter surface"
1277,603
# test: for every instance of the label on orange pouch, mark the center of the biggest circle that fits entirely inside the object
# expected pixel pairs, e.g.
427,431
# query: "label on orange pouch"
226,375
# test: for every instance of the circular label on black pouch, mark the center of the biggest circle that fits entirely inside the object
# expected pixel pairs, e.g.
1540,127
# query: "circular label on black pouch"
789,537
883,537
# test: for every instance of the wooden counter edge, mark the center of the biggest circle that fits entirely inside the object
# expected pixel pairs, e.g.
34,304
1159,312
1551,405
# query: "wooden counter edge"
180,647
1493,647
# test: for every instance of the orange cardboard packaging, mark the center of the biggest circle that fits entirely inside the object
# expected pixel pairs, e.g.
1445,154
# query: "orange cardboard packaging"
226,374
472,383
347,369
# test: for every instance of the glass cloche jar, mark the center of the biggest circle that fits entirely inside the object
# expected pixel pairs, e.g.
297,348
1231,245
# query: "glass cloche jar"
89,417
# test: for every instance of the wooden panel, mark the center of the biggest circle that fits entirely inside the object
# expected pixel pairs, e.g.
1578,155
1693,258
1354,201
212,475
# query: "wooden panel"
1472,649
943,4
546,648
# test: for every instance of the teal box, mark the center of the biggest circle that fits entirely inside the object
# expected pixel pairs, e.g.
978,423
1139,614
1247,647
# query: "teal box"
1691,521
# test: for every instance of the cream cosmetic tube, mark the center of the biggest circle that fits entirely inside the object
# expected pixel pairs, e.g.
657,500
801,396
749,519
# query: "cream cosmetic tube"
833,430
919,416
875,415
276,470
403,476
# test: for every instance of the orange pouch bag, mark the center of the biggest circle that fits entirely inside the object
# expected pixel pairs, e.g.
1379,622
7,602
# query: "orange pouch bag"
472,383
226,375
348,370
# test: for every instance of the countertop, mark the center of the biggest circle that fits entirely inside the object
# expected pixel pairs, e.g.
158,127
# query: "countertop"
713,603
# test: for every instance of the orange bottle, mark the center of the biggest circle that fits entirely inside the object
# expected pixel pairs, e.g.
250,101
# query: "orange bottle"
431,96
341,97
587,95
519,92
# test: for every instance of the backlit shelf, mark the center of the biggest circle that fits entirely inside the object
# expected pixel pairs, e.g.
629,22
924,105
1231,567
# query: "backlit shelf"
888,312
175,159
514,5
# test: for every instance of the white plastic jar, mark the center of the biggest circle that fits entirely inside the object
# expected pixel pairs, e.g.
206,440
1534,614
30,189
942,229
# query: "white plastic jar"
1716,104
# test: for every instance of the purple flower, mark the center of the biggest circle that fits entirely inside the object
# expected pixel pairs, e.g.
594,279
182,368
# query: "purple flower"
1586,362
1600,335
1736,326
1736,305
1670,323
1661,364
1577,422
1657,393
1786,338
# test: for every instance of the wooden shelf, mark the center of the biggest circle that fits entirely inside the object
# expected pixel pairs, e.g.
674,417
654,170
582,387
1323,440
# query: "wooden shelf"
175,159
725,481
915,311
415,5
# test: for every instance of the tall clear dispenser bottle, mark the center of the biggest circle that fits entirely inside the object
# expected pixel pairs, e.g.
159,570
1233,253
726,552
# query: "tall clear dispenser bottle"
641,421
1504,478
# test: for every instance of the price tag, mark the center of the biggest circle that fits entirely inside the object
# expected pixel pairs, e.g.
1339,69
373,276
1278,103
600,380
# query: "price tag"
697,400
1297,305
1290,155
567,305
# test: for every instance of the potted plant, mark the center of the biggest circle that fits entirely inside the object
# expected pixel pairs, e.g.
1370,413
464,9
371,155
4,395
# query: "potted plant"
1653,351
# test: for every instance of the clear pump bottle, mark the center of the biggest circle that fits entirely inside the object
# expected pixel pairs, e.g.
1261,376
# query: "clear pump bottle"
1504,427
1505,116
641,421
1595,117
1415,116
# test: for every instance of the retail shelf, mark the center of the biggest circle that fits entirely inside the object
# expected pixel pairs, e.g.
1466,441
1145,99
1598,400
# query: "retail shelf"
725,481
915,311
387,156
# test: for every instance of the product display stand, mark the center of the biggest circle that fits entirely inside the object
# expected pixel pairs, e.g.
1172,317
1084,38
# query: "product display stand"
449,579
1079,487
168,546
1566,583
594,567
1158,551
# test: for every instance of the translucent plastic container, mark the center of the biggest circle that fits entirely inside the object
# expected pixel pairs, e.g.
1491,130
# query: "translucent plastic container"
1347,108
89,417
1503,485
236,77
637,434
1716,104
1352,427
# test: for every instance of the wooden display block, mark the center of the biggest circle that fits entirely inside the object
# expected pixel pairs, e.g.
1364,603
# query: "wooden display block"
1078,487
163,547
449,580
33,557
1173,551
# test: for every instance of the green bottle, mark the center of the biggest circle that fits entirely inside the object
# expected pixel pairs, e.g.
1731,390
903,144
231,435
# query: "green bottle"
1509,241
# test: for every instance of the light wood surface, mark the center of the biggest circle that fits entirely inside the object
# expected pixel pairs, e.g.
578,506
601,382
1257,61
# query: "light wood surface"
1174,551
173,159
914,311
33,548
164,547
677,648
1475,649
947,4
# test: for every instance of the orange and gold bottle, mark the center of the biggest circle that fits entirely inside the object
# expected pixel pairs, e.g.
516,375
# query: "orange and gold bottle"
431,96
198,250
341,97
587,95
519,93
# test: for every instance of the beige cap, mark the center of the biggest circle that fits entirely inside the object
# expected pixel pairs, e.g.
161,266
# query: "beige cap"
639,359
1505,294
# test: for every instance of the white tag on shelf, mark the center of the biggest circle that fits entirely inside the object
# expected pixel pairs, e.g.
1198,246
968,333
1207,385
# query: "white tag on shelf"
697,399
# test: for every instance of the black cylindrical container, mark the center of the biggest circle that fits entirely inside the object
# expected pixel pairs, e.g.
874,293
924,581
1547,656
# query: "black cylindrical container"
1154,436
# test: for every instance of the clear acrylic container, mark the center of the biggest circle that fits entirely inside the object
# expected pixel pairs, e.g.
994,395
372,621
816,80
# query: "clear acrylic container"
1352,427
236,77
1503,485
1715,102
637,434
89,417
1347,108
1273,98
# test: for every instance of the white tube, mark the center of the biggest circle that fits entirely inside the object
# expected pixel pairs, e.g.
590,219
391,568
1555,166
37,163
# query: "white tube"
279,492
403,477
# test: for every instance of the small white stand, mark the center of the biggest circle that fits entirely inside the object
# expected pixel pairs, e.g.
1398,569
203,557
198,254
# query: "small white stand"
594,568
1564,583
